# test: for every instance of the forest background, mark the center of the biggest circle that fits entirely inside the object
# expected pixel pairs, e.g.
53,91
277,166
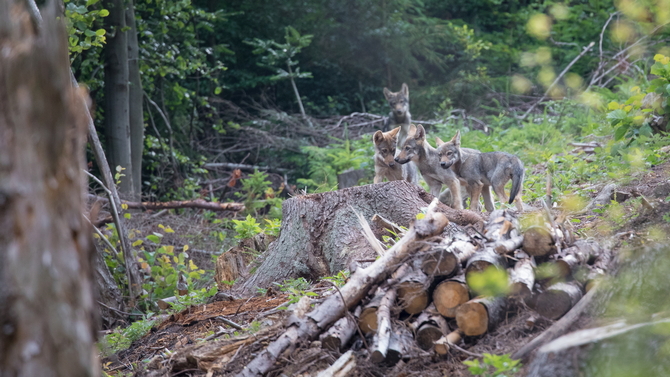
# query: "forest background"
186,91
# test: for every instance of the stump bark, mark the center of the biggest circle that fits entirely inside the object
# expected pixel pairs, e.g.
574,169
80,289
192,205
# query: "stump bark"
321,235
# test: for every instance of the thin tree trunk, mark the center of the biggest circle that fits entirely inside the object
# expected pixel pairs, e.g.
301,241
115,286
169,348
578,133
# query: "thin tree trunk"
117,117
47,307
136,111
295,90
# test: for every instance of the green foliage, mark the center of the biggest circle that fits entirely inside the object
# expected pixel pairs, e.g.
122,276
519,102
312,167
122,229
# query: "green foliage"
338,279
324,164
276,55
634,117
121,339
194,297
296,289
490,282
256,194
247,228
81,21
503,366
272,228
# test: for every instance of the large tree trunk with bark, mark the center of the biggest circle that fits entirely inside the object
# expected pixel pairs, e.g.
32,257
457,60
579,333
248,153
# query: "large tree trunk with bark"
47,308
135,108
117,126
321,234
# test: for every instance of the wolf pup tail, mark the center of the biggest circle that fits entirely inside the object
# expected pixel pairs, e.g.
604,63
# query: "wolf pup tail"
517,179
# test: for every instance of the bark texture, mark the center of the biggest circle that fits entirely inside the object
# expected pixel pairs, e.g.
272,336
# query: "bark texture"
117,124
47,310
135,108
321,235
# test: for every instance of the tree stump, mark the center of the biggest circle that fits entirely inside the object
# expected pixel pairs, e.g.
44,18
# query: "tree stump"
320,233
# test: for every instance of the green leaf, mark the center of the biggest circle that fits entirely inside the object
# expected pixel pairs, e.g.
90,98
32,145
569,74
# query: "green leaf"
103,13
100,32
618,114
153,238
621,132
217,90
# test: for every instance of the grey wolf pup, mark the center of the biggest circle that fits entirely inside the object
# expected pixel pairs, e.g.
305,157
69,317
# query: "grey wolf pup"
399,115
483,170
417,150
385,165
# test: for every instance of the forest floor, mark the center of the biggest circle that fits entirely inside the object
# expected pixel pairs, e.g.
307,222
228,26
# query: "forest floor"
634,226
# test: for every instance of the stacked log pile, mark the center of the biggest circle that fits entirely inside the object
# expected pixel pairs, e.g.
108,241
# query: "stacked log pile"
416,299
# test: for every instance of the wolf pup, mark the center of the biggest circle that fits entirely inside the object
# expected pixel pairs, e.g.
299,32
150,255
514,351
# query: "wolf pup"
399,115
417,150
385,165
483,170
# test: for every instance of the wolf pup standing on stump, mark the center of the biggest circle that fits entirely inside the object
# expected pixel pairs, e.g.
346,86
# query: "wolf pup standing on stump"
417,150
385,165
399,115
480,171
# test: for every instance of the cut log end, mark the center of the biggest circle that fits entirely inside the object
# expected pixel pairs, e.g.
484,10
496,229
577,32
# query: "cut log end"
472,318
427,335
448,296
440,263
413,297
558,299
537,241
368,320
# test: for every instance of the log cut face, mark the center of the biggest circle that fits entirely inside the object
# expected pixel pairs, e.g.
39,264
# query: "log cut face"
321,235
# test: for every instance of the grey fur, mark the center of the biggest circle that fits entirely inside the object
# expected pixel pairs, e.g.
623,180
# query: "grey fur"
482,171
417,150
385,165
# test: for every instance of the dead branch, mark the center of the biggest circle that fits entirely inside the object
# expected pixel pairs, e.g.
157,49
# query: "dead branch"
196,203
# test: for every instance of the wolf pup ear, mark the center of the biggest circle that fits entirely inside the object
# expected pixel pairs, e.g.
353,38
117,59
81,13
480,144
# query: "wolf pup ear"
378,137
438,141
457,138
387,93
420,133
404,89
393,132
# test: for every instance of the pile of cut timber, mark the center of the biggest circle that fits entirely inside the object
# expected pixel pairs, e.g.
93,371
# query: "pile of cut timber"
415,299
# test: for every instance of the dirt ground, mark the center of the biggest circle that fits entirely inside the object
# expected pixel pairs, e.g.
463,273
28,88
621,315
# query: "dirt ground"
635,225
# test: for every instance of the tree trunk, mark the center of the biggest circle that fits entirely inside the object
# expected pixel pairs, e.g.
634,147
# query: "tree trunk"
47,307
117,126
135,108
321,235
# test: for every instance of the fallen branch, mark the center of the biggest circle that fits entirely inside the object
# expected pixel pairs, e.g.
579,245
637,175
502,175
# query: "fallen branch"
196,203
